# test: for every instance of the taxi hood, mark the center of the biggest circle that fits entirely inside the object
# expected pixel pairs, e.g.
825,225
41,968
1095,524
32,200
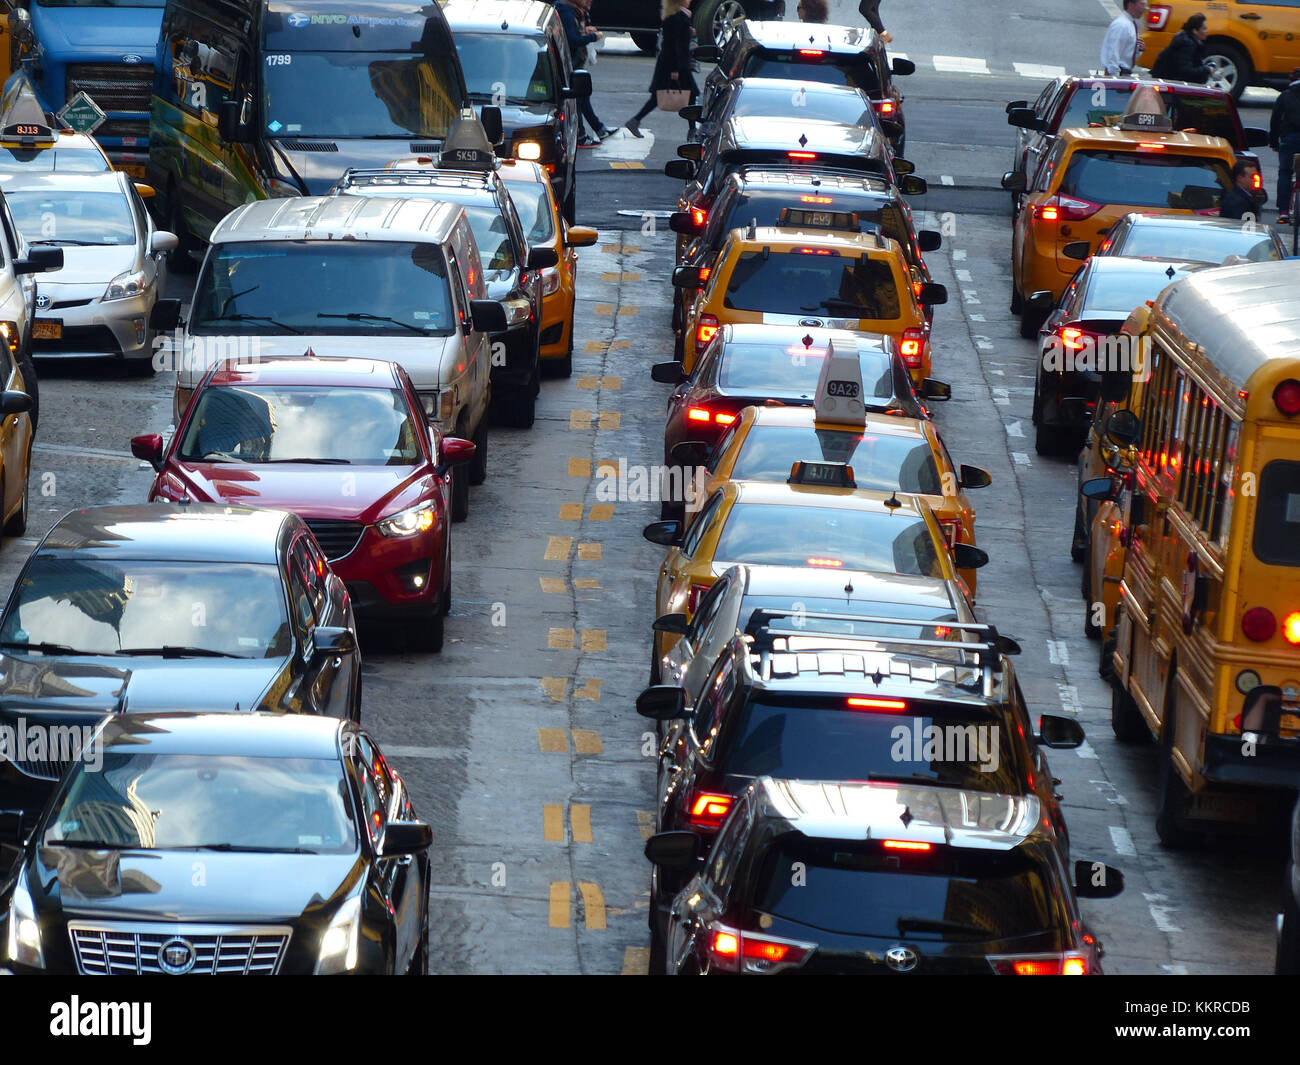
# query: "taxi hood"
94,267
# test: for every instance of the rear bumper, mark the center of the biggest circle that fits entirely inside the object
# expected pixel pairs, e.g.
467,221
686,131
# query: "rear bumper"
514,357
1273,764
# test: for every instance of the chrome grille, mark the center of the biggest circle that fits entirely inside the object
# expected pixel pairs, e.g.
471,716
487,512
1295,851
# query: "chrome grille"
426,147
114,87
309,146
135,949
336,538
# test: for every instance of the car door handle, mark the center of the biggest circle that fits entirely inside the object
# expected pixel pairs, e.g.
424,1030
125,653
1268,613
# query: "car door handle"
1250,17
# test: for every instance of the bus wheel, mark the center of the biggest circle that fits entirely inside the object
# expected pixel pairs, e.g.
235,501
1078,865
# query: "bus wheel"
1172,795
1125,719
1090,628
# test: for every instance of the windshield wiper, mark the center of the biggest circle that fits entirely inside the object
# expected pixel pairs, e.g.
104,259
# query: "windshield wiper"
252,318
73,243
244,848
903,778
47,648
362,316
89,845
172,651
314,462
935,924
234,296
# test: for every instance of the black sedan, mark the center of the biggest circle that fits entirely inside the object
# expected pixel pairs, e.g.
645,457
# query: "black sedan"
218,843
168,606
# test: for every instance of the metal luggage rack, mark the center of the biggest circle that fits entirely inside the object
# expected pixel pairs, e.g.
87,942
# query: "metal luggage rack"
410,175
771,646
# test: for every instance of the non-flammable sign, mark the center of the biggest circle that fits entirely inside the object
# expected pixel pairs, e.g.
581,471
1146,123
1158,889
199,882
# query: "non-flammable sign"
82,114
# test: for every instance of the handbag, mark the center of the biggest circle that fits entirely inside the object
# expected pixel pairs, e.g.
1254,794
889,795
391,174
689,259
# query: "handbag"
672,99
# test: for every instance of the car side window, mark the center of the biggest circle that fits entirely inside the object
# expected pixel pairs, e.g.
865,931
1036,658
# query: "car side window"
458,285
312,573
368,753
696,532
372,802
11,248
720,449
1048,168
713,702
708,609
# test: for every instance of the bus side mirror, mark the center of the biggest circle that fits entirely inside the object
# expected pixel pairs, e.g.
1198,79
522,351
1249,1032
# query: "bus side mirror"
229,128
1094,880
1122,427
929,240
1099,488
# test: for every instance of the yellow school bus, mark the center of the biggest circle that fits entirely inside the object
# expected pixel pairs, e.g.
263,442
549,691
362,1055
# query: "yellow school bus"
1207,635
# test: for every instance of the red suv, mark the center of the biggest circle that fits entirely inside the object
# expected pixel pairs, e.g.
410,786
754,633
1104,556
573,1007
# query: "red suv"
344,444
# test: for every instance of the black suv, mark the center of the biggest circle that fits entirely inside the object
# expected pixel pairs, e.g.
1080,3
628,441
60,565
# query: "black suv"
641,18
824,877
788,700
799,51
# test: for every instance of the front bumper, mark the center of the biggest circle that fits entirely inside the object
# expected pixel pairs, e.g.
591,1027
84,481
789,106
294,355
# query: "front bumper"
90,326
394,577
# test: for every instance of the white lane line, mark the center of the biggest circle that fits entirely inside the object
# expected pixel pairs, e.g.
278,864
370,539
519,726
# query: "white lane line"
983,343
1069,696
421,752
1112,9
1084,750
1013,429
959,255
1175,970
946,179
970,297
1038,70
1000,397
1122,841
1108,790
960,64
1058,653
1159,911
622,147
1021,459
963,275
973,317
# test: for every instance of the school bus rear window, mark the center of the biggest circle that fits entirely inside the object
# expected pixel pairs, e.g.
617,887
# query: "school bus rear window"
1277,521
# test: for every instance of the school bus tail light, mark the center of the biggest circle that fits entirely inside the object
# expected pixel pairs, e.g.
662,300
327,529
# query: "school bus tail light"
1287,397
1259,624
1291,627
1157,16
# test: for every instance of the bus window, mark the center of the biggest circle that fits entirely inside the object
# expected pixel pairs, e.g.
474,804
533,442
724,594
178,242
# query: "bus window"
1277,519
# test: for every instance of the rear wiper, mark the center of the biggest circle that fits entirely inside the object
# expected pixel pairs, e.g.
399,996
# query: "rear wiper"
903,778
362,316
866,312
935,924
172,651
47,648
253,318
71,243
245,848
315,462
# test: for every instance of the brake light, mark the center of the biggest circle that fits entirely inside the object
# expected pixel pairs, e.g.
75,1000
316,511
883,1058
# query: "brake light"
698,414
904,845
704,415
816,199
699,216
1074,338
1152,146
1040,965
910,347
865,703
1258,624
883,107
832,563
1291,627
1104,247
1287,397
802,155
1257,181
724,419
1157,16
1076,210
730,948
693,596
811,53
725,944
709,809
814,251
1048,212
705,271
706,329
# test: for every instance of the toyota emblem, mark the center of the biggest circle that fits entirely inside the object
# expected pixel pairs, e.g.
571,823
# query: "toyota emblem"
42,301
901,959
176,957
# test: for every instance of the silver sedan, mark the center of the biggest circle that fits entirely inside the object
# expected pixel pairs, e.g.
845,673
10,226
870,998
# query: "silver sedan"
98,305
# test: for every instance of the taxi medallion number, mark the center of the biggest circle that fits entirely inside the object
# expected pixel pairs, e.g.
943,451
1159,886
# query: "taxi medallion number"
844,389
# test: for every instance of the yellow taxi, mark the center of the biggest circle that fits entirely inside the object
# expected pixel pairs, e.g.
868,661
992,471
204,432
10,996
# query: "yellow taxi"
544,226
1089,179
817,520
15,446
885,452
27,146
815,269
1249,43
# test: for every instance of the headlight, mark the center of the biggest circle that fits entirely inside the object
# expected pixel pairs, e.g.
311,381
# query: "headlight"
341,942
409,522
277,189
439,405
24,939
124,286
9,331
550,281
529,150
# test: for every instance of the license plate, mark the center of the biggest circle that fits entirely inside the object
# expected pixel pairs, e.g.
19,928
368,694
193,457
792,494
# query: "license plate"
134,170
46,330
1213,807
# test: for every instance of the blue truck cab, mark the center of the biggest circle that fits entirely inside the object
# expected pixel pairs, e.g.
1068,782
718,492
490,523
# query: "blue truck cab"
106,49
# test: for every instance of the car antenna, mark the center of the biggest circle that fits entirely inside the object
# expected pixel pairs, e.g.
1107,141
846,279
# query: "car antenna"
893,502
807,340
1169,273
848,590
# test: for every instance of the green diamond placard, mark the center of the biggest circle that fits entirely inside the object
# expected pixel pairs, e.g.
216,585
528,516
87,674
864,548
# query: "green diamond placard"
82,114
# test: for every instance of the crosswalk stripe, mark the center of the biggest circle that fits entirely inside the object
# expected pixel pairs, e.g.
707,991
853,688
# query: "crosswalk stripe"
960,64
1038,70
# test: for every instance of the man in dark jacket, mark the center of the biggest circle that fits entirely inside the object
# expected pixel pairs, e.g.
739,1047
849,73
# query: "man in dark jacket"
1247,194
1183,59
574,17
1284,138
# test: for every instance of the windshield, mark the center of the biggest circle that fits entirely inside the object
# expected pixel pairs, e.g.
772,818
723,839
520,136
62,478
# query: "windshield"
58,160
879,460
225,802
813,281
1211,115
762,368
282,285
505,68
256,424
47,217
101,3
358,94
835,70
1201,243
764,534
533,205
858,888
96,606
1122,290
1146,179
764,209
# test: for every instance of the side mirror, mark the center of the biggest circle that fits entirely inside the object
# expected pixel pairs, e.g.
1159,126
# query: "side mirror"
1122,428
229,128
933,294
667,373
690,453
694,152
662,702
1006,645
1040,301
1014,104
456,450
488,315
911,185
1256,137
540,257
580,236
20,26
673,850
902,67
1014,181
11,821
707,53
490,117
145,192
935,390
964,556
1059,733
681,169
687,277
929,240
1095,880
1099,488
15,402
663,533
149,448
691,112
165,316
40,261
903,166
684,222
975,477
162,241
579,85
333,640
1025,118
671,623
405,837
1077,249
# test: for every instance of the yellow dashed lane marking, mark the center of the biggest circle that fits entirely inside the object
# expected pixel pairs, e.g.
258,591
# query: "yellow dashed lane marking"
636,961
580,820
612,383
552,740
562,639
599,347
579,467
607,310
614,249
587,742
570,512
593,903
558,548
607,468
559,908
602,512
586,582
592,639
589,552
552,585
627,164
580,419
553,823
645,823
615,276
554,689
587,381
590,690
609,419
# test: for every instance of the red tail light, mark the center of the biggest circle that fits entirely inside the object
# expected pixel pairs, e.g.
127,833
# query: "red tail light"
1291,627
730,948
910,347
709,809
699,215
951,532
693,596
883,107
698,414
1258,624
1040,965
1074,338
816,199
1287,397
1066,208
703,415
865,703
724,419
1257,181
725,944
811,53
706,329
1157,16
802,156
705,271
904,845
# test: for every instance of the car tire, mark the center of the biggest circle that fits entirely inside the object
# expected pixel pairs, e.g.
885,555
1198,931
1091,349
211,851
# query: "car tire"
477,469
17,525
712,16
355,709
1236,64
31,383
656,671
570,206
420,959
1080,544
1090,630
431,631
518,409
1287,960
646,41
179,259
459,493
1017,301
658,947
1172,795
1126,720
139,367
1030,321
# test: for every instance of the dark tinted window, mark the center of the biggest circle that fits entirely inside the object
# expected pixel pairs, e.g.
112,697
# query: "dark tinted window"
949,895
860,72
764,208
784,100
800,607
812,283
1122,290
1205,114
498,66
879,460
1277,520
1145,179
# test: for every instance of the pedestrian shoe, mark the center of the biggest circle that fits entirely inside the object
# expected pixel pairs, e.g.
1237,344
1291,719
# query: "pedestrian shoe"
633,128
604,134
587,142
1284,219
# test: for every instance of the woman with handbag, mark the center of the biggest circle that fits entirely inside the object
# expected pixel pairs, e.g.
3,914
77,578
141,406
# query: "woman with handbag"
672,74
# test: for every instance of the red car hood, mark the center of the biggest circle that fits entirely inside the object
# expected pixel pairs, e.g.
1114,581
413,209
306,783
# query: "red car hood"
344,493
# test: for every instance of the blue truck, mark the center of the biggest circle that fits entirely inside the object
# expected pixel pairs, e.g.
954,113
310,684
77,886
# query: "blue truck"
105,48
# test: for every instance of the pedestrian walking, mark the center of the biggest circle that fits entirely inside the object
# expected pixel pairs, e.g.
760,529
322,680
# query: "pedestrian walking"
581,35
814,11
673,63
1184,57
870,10
1247,194
1121,46
1284,138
